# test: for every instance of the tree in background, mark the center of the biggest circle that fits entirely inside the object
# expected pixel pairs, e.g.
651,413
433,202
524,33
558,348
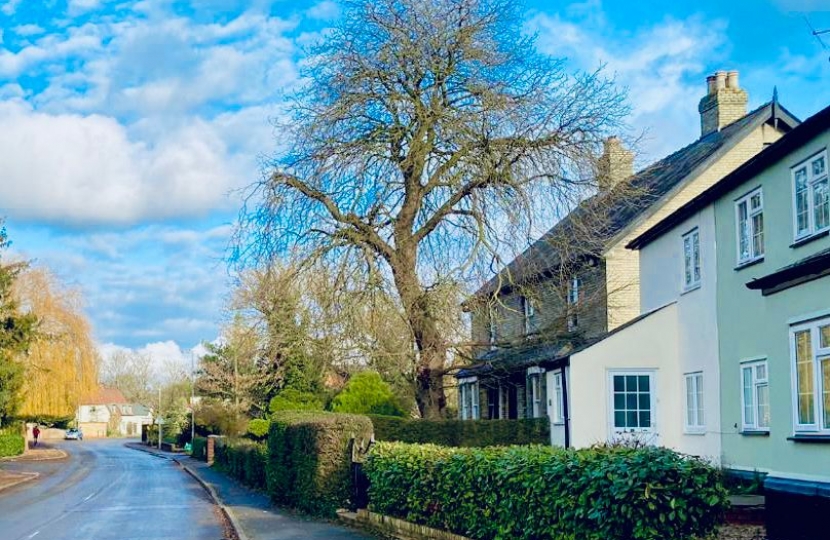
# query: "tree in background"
17,331
62,363
132,373
367,393
430,141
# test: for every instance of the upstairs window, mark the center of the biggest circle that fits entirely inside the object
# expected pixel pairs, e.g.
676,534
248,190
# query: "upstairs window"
691,260
750,220
573,302
529,314
491,329
811,197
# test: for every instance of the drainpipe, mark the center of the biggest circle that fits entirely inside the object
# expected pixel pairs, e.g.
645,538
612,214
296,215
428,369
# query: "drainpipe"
565,412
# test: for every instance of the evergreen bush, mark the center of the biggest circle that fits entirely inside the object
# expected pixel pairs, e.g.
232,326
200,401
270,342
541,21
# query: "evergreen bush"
468,433
11,444
537,492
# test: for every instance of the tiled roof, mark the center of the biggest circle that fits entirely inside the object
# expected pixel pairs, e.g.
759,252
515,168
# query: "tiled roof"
105,396
648,186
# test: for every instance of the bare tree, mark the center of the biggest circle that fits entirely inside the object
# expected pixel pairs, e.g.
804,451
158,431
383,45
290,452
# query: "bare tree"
429,141
132,373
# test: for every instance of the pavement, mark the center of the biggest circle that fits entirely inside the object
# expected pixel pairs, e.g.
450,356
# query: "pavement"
251,512
104,491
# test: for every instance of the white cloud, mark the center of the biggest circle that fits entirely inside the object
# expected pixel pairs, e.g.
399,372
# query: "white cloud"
662,66
27,30
325,10
9,7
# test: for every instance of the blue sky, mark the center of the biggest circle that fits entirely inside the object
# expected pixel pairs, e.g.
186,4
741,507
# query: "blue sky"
126,128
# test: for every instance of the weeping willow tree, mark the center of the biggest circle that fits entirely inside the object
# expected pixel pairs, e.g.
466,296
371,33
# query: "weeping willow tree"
61,365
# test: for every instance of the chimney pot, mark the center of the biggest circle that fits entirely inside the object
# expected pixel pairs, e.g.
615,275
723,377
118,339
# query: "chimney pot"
720,76
711,84
732,79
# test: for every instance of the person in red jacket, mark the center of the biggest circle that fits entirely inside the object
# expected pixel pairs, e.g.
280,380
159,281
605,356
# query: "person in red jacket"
36,433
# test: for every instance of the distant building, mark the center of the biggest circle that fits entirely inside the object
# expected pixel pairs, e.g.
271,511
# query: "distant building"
108,413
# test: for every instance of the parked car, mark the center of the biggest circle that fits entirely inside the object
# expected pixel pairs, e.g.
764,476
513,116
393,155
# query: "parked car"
74,434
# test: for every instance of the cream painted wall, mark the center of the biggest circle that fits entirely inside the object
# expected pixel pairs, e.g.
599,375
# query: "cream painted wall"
661,276
649,344
557,431
623,265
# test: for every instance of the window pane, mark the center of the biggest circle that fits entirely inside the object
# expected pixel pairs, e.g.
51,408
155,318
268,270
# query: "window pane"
644,386
630,383
631,419
631,401
644,402
763,406
821,203
758,235
802,205
755,201
824,332
749,408
687,260
645,419
696,251
818,167
619,383
619,419
761,371
804,374
825,386
743,231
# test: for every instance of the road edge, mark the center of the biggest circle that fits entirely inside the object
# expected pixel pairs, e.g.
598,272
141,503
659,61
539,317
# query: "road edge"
234,521
26,477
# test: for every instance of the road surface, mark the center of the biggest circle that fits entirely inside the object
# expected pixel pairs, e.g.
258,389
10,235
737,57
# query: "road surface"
105,491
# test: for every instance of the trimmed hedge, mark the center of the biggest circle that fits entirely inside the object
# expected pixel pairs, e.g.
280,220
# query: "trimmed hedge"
11,444
198,448
309,459
462,433
244,460
540,492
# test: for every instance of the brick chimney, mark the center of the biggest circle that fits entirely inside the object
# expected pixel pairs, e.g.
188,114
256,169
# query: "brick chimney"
615,164
724,102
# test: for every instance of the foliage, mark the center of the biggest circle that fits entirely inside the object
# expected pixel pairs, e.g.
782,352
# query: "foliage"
198,448
244,460
258,428
17,332
290,399
309,459
367,393
219,418
11,444
131,373
465,433
536,492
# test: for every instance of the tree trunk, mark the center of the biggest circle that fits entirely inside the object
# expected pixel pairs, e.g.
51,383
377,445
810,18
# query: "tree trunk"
432,350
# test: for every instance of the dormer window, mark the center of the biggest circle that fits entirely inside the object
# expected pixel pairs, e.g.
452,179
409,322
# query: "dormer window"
573,303
811,197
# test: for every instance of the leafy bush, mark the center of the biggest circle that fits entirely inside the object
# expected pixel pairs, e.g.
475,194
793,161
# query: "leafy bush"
537,492
242,459
470,433
258,428
309,459
290,399
367,393
199,448
12,444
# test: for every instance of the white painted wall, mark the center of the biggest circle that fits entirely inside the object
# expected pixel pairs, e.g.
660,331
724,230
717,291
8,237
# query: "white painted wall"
661,282
649,344
557,430
93,413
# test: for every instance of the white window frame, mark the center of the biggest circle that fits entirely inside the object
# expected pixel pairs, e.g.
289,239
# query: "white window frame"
750,230
528,312
574,286
819,355
756,384
491,329
694,419
558,405
535,395
812,182
468,392
651,374
692,260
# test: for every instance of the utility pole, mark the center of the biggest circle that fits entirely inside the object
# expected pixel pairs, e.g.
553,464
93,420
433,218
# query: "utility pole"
159,417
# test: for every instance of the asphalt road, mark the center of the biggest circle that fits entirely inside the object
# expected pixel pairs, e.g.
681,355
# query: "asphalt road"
105,491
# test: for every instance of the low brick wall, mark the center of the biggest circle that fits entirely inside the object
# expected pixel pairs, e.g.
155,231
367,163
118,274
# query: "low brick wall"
398,528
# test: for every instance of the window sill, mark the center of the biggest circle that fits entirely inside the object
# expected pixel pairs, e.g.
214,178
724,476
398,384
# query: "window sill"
690,288
694,432
807,239
558,423
748,263
755,432
802,438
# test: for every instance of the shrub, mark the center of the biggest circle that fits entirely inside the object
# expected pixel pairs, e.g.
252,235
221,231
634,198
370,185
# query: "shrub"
242,459
470,433
199,448
537,492
258,428
12,444
290,399
309,459
367,393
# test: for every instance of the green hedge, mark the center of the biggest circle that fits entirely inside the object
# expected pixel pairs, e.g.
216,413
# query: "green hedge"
463,433
309,459
540,492
11,444
242,459
199,448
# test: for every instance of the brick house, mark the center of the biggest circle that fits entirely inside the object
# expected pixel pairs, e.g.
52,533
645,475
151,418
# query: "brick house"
560,296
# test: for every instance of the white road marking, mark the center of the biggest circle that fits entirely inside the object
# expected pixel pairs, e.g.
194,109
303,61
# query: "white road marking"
89,497
33,534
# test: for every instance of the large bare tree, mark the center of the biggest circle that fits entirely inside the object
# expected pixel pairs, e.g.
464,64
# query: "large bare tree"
428,141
